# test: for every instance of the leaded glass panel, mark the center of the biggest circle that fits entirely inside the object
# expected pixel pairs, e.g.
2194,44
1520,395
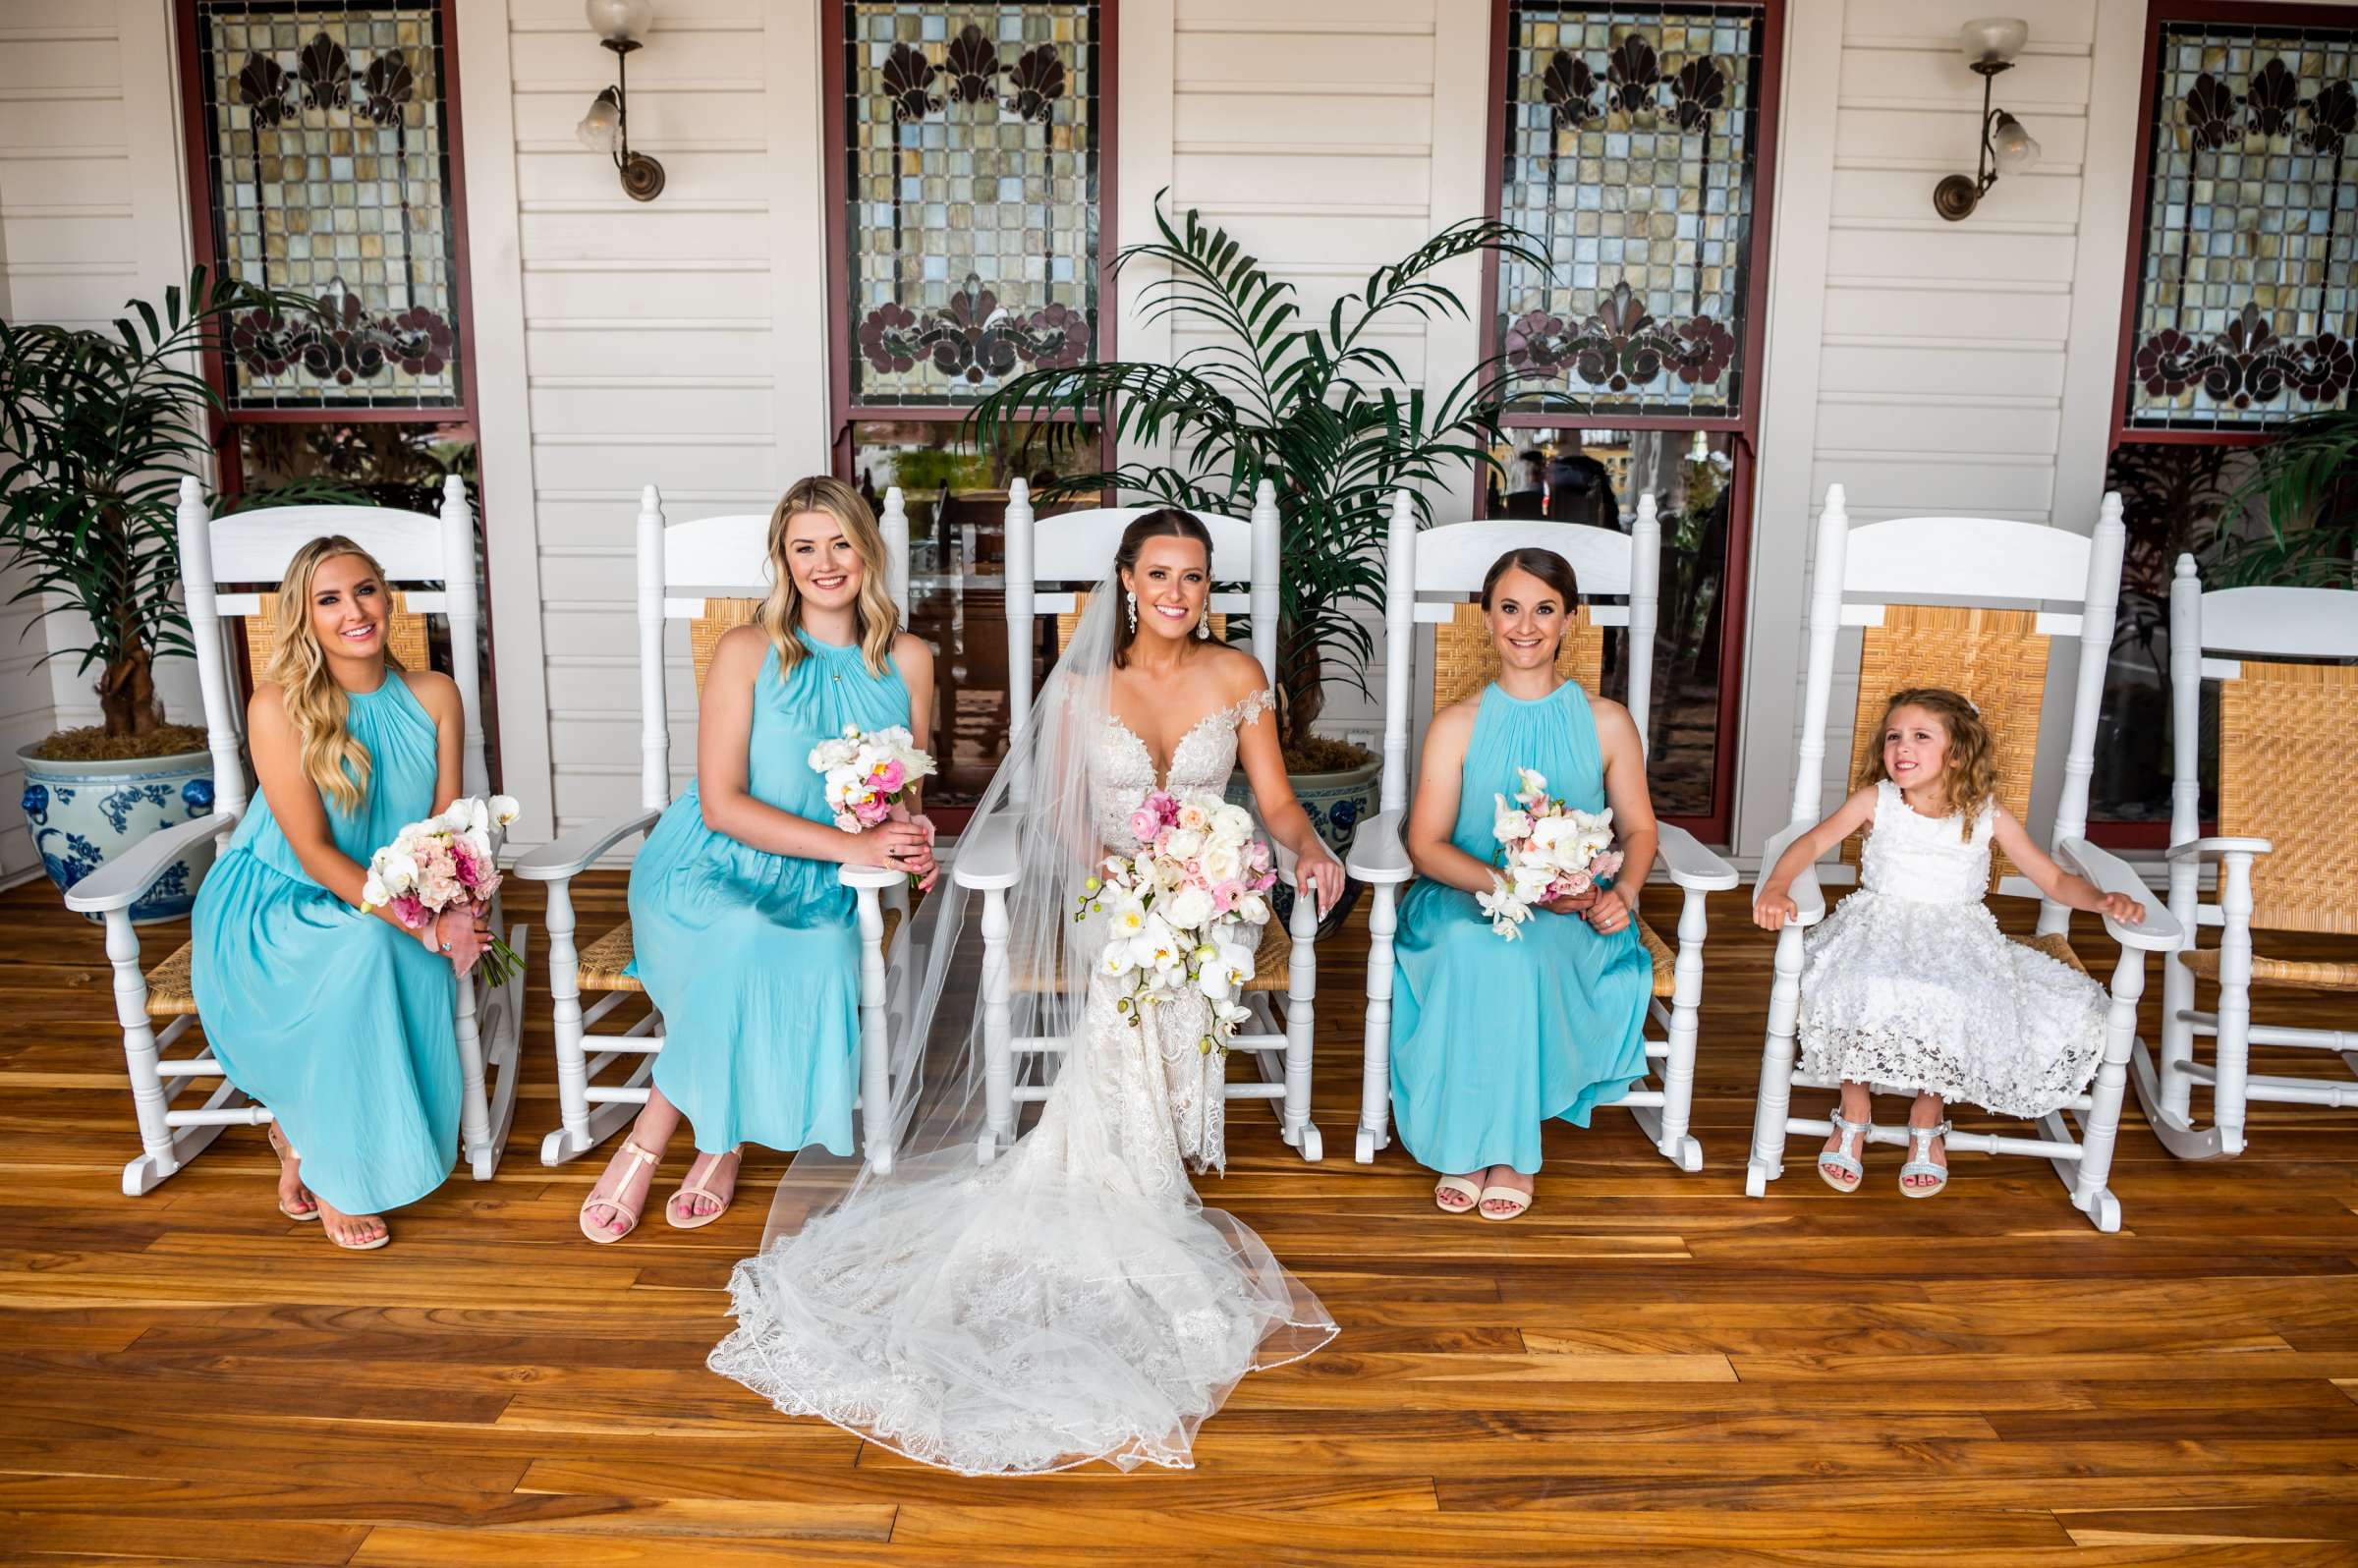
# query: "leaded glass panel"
971,195
2248,281
1630,138
325,139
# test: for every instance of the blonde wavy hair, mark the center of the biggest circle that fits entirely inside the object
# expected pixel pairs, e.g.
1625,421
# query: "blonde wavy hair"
335,761
879,621
1969,781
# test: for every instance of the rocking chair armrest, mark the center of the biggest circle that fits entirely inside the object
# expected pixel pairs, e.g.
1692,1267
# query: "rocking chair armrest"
1808,899
988,860
1378,854
2203,849
571,854
2160,933
879,878
122,881
1690,864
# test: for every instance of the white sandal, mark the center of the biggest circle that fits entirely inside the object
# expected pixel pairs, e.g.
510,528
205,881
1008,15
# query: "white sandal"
1464,1186
1840,1158
1920,1145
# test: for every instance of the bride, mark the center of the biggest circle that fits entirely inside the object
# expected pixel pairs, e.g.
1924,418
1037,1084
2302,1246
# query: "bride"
1070,1300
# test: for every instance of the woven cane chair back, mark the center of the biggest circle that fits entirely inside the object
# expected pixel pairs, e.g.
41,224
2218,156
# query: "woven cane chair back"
405,634
2288,774
1465,659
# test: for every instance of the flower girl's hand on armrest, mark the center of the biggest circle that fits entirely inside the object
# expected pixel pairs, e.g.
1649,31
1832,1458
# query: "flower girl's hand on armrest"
1770,911
2122,908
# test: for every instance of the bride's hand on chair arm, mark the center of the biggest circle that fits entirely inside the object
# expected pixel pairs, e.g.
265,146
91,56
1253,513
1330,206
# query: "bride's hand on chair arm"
1264,762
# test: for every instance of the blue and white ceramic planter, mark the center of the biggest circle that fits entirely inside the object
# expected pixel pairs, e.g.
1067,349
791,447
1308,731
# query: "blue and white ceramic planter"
82,813
1337,803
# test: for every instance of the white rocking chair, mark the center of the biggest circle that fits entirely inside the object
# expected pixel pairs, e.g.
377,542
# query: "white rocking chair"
255,547
1077,548
728,555
1988,639
1449,563
2286,849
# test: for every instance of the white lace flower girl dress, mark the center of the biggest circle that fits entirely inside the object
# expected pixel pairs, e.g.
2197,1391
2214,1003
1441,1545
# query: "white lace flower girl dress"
1910,982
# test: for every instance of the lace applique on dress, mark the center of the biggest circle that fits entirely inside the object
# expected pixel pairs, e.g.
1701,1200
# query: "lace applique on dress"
1910,981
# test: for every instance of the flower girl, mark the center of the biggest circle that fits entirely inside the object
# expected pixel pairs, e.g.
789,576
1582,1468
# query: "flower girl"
1909,982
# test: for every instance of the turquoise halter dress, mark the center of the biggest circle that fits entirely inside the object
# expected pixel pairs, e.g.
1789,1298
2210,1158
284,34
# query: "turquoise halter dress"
1490,1038
753,958
333,1019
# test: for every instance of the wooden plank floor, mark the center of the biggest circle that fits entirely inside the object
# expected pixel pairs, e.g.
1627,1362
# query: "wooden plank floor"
1649,1367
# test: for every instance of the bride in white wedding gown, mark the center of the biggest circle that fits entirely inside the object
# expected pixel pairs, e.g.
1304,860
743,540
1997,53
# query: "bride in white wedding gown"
1072,1300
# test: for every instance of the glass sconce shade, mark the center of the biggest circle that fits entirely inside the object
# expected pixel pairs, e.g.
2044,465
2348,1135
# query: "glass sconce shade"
621,21
1993,40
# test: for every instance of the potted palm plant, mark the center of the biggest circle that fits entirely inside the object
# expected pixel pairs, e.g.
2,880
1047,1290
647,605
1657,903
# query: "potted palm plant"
1314,404
96,429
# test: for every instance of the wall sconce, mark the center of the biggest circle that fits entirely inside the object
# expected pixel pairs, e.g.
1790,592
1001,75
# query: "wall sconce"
1991,45
621,26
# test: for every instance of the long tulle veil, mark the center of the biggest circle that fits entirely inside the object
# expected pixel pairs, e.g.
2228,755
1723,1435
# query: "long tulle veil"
1011,1313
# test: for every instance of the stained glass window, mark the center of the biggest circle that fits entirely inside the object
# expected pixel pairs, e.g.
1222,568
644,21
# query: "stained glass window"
326,139
1629,149
2247,290
971,194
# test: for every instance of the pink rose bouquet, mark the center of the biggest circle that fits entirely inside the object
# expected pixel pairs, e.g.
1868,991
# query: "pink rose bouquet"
447,862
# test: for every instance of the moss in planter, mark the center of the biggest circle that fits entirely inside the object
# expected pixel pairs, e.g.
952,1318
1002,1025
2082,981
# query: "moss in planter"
1319,754
95,744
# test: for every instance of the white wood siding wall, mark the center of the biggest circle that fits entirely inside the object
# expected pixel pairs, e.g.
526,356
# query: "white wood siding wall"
679,342
1929,366
1328,139
93,211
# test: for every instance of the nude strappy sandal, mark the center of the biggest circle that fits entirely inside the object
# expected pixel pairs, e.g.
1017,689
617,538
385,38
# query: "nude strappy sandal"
1461,1186
285,1153
1920,1145
595,1199
696,1188
1840,1157
1504,1195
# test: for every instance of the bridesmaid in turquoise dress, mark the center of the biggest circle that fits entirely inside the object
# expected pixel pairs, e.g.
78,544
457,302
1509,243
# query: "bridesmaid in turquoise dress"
743,936
340,1022
1492,1038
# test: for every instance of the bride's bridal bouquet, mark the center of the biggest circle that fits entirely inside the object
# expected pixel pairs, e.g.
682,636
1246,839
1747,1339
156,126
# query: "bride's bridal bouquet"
1548,851
442,863
1185,912
870,774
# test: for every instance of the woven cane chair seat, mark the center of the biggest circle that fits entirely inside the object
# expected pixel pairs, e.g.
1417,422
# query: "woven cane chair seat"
2311,976
603,960
2056,946
168,992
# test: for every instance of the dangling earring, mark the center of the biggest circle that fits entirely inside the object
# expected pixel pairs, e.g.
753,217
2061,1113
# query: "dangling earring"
1130,599
1204,625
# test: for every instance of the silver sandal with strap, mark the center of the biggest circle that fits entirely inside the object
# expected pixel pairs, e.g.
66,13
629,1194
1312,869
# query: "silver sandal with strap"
1847,1163
1920,1148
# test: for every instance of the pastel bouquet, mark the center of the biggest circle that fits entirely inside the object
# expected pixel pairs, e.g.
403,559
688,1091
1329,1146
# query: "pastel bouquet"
1185,912
870,774
1548,851
446,861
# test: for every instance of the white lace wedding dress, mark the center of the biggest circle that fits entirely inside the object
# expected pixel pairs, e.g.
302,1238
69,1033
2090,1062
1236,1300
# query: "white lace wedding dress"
1910,982
1070,1300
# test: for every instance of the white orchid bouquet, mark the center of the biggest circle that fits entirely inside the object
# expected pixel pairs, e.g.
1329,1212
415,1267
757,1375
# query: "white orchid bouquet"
447,861
1547,851
1185,912
870,774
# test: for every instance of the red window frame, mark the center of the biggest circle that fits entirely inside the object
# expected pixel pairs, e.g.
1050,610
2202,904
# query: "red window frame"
1742,428
2119,431
842,412
225,423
